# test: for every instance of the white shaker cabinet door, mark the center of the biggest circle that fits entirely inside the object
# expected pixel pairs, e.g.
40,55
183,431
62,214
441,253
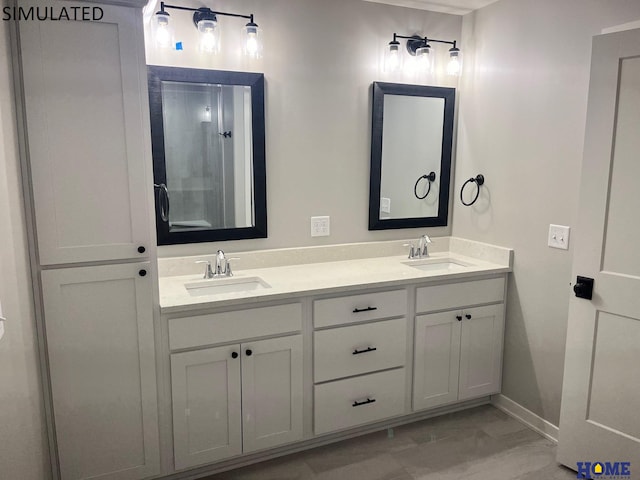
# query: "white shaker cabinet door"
205,390
271,392
437,359
100,343
85,91
481,351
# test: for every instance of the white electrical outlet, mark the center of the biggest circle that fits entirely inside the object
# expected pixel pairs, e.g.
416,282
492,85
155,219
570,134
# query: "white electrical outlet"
559,236
320,227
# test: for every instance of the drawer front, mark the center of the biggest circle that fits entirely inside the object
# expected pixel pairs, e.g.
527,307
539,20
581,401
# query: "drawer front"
234,326
347,351
356,401
356,308
457,295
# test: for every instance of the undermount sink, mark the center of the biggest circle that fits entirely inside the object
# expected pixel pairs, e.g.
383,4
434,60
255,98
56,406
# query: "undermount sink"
437,264
217,286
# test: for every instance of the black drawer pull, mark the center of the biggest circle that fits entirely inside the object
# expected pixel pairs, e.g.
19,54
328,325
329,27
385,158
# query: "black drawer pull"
366,402
368,309
141,249
468,315
234,354
459,318
369,349
142,272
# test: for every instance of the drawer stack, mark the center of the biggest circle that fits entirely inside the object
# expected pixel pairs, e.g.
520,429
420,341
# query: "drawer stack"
359,357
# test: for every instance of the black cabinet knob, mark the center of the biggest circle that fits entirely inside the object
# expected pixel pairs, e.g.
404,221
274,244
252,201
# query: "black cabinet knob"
468,316
234,354
249,353
141,249
459,318
142,272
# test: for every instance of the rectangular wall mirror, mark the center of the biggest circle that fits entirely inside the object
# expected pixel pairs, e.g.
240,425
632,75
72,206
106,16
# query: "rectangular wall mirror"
208,142
411,139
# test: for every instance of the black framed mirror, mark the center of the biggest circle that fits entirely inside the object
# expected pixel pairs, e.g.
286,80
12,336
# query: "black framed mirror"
411,142
208,145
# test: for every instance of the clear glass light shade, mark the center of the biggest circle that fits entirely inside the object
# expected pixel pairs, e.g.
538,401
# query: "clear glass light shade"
252,40
163,30
392,57
424,59
209,36
454,67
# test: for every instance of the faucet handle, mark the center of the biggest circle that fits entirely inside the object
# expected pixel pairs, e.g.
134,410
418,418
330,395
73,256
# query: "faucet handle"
412,249
208,272
229,272
422,246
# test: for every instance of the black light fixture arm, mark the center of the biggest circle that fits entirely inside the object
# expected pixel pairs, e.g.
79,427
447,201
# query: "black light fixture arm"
424,39
164,5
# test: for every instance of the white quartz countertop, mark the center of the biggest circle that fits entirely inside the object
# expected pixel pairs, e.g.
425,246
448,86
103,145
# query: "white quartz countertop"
293,281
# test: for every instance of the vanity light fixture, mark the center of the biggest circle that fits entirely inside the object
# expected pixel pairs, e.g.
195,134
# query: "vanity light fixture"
206,21
421,55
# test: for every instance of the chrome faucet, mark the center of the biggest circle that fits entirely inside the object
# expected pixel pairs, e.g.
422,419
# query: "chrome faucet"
222,268
423,252
221,265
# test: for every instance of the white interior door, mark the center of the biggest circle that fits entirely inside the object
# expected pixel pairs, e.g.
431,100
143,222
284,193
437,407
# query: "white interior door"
601,394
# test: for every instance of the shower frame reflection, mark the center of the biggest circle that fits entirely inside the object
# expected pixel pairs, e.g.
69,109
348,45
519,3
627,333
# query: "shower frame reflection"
197,119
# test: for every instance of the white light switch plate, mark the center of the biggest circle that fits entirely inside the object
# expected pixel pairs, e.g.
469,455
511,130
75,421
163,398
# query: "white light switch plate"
385,205
559,236
320,227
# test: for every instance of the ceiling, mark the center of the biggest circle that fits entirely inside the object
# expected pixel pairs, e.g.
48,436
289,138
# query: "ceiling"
455,7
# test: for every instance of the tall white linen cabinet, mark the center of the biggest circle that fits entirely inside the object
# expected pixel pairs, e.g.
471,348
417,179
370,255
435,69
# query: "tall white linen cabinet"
88,166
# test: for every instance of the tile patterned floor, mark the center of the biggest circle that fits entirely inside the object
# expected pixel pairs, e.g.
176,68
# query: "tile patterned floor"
477,444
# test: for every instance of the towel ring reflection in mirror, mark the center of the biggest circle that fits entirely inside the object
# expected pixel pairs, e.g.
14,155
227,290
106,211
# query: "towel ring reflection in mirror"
431,177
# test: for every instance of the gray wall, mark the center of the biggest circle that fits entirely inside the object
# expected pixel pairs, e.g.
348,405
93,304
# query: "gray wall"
22,447
522,112
320,60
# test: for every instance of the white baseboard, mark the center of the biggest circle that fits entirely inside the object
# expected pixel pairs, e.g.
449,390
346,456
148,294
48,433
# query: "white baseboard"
517,411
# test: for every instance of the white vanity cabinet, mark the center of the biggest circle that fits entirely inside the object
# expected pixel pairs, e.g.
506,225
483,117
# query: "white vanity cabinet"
458,352
359,359
328,366
99,323
87,116
84,89
240,397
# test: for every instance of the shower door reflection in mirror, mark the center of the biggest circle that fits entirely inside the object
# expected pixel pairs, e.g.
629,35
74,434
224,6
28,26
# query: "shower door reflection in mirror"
208,149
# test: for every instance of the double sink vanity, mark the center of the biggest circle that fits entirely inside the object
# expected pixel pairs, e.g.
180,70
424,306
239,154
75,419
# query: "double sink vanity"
310,345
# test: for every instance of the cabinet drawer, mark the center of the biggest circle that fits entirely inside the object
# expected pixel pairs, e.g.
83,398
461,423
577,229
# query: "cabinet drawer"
457,295
234,326
342,352
355,308
355,401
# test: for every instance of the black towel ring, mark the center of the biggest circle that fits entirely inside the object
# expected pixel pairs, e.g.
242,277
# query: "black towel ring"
478,180
431,178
